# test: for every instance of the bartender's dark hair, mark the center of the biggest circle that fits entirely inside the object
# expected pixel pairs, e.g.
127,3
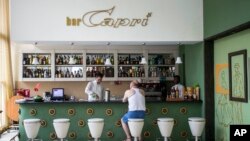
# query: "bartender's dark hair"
178,78
98,74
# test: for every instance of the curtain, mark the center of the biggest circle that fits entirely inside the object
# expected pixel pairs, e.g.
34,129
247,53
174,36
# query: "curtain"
6,81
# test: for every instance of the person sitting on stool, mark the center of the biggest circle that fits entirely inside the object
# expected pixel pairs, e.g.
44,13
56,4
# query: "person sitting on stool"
136,106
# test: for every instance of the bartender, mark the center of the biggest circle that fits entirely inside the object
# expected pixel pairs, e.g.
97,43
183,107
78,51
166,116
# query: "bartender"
94,89
178,86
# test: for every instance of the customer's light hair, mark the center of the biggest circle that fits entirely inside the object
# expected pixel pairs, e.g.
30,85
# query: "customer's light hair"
134,83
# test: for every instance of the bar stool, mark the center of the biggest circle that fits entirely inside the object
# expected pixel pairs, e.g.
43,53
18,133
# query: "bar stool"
95,127
166,126
32,127
196,125
61,126
135,127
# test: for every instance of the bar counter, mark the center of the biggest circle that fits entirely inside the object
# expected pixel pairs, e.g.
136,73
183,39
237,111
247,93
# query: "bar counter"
80,111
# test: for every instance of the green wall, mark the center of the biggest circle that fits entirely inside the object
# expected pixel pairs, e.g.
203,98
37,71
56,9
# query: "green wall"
221,15
194,68
228,112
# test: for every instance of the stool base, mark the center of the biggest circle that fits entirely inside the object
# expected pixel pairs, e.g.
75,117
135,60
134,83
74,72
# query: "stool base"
60,140
94,140
164,139
194,139
34,140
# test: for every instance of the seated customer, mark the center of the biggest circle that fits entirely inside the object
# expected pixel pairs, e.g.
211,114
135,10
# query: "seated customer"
136,106
178,86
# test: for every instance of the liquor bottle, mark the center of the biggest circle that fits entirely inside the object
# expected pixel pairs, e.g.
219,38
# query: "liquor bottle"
87,60
45,74
102,60
112,60
60,73
176,92
93,61
44,60
142,73
78,74
173,93
24,60
81,73
31,59
67,75
119,60
120,72
88,73
71,75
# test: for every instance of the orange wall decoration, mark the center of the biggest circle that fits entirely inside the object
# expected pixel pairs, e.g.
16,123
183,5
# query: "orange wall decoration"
220,79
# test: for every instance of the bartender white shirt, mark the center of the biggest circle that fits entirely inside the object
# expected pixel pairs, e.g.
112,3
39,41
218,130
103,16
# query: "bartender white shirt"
180,88
92,89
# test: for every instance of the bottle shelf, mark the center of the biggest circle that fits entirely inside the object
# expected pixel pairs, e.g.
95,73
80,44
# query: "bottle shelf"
36,65
99,66
125,65
69,65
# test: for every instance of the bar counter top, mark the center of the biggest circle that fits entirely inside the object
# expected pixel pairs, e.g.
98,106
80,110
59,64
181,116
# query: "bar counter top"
112,101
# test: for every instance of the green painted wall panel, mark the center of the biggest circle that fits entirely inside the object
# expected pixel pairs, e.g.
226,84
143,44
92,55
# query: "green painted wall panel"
229,112
154,108
194,68
221,15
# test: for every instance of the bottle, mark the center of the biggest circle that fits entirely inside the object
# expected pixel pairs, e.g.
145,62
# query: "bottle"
24,60
173,93
107,95
31,59
177,92
87,60
112,60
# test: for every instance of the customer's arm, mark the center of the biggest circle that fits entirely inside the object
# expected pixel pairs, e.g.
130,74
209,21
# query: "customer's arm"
127,94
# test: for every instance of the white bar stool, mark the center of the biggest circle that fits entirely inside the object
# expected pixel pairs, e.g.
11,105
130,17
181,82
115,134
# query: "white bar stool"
135,127
95,127
61,126
32,127
196,125
166,126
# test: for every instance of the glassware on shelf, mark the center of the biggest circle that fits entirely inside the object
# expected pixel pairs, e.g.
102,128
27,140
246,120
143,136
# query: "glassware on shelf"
68,59
68,72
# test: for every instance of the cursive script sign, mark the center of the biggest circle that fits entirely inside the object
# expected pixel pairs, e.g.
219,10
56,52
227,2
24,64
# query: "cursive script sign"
103,18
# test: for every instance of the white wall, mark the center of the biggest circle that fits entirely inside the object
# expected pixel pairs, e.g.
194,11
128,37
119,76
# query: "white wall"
45,20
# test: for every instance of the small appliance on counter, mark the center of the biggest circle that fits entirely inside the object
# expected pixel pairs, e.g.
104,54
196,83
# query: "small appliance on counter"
46,96
57,94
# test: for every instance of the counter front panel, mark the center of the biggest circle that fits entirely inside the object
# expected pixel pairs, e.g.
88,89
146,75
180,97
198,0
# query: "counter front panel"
80,112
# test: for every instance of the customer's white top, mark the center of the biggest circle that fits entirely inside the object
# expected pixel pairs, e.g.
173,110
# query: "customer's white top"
96,120
166,119
198,119
61,120
31,120
136,102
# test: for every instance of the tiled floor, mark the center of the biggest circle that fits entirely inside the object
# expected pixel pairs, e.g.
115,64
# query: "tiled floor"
11,136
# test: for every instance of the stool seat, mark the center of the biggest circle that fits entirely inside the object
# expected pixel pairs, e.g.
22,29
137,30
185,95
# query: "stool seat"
96,126
135,127
32,127
165,119
61,120
61,126
96,120
196,125
166,126
197,119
